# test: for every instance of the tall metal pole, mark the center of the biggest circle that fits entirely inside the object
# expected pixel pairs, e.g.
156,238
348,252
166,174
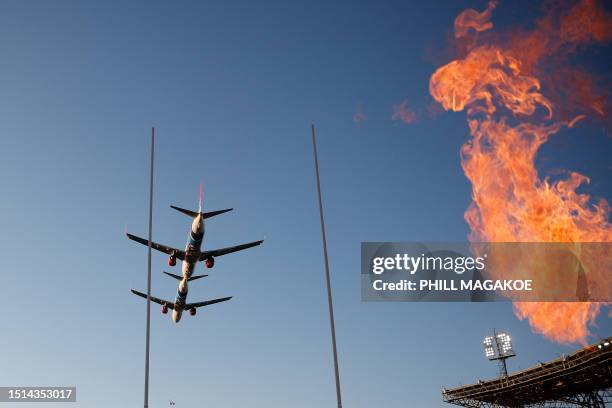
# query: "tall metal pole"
146,386
327,279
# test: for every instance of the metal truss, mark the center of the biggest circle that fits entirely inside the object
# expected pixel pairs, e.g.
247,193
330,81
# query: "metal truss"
601,399
582,379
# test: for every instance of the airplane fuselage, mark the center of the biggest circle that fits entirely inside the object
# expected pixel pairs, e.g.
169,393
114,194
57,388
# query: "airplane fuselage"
179,301
192,248
192,255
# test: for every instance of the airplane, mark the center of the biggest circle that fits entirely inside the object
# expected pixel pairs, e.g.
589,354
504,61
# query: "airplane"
190,257
180,305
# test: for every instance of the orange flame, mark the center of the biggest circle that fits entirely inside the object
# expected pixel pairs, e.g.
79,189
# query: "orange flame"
471,18
510,118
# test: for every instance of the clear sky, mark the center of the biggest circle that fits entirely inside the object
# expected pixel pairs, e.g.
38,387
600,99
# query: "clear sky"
232,88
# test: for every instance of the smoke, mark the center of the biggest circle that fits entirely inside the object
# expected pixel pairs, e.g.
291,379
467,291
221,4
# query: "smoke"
403,113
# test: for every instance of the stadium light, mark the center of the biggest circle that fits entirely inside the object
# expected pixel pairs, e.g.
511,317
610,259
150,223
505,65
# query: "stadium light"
489,350
506,344
499,347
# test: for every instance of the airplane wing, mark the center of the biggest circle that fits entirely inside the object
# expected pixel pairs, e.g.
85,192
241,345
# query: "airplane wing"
162,248
154,299
228,250
205,303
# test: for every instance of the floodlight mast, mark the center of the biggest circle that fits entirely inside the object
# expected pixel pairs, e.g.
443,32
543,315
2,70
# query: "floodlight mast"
499,347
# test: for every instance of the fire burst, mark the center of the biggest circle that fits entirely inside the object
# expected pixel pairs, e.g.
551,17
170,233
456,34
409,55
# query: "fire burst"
499,85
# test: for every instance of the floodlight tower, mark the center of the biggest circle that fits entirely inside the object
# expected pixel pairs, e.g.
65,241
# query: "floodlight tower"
499,347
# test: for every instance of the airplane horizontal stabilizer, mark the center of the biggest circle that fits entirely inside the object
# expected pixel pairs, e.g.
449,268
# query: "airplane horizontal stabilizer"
196,277
190,213
205,215
178,277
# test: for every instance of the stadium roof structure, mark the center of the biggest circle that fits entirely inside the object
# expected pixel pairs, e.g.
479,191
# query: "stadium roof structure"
581,379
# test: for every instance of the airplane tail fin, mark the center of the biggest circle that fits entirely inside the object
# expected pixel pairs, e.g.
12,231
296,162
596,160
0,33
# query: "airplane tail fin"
178,277
200,200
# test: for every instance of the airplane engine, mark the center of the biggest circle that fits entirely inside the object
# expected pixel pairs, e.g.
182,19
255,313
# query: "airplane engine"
192,311
164,309
172,260
209,262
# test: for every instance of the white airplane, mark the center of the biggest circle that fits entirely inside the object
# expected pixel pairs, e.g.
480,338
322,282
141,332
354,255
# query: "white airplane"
190,257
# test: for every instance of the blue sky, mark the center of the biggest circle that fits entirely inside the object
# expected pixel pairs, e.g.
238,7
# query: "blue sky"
232,90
